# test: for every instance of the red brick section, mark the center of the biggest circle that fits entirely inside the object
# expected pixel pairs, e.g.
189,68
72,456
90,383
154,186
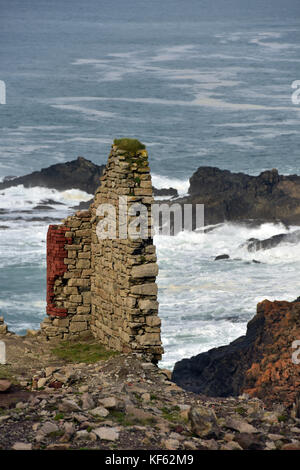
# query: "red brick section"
56,241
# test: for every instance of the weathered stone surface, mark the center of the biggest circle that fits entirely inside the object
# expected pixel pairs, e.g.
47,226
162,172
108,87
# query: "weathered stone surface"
240,425
48,428
144,270
203,422
22,446
99,411
144,289
68,405
107,434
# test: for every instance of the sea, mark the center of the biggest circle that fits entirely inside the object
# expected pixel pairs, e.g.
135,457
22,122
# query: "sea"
201,83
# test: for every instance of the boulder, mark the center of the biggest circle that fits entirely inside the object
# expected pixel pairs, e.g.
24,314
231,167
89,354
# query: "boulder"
203,422
219,257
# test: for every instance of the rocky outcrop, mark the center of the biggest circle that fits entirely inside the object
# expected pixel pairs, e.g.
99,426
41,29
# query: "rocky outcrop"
238,197
79,174
254,244
259,363
165,192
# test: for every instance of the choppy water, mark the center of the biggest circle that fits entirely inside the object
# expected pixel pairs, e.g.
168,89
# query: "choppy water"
199,84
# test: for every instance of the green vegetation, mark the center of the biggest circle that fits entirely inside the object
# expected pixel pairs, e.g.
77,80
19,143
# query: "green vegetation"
59,433
130,145
282,418
137,396
241,411
121,418
172,414
130,420
59,416
82,352
5,373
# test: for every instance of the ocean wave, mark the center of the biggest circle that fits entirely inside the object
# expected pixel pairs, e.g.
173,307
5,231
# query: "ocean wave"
160,182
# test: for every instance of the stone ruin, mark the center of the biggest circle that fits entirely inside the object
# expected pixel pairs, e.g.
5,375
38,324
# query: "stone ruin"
106,287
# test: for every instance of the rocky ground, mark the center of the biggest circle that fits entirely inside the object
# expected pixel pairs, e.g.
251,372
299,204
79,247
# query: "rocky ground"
124,402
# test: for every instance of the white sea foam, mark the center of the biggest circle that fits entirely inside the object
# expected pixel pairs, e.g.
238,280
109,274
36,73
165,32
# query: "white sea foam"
160,182
19,198
91,113
206,303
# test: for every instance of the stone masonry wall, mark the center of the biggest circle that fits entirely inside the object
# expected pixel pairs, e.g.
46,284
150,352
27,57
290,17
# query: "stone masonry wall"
124,292
106,286
68,278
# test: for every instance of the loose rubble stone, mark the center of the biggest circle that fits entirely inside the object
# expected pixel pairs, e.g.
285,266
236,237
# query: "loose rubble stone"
203,421
22,446
99,411
107,434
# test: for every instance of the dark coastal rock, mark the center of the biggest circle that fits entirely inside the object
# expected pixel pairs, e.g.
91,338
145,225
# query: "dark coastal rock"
83,205
259,363
166,192
220,257
254,244
80,174
43,207
238,197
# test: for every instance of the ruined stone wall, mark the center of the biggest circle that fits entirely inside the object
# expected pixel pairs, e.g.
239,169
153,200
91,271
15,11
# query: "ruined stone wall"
124,292
68,278
106,286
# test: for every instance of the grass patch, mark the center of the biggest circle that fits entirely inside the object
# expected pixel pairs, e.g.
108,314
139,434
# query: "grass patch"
82,352
59,416
172,414
129,420
241,411
282,418
5,373
121,418
130,145
54,434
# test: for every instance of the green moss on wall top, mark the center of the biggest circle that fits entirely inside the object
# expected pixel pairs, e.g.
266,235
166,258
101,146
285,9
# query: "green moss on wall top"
130,145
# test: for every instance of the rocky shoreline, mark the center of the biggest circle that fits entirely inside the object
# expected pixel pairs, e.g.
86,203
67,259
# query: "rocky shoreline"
125,402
